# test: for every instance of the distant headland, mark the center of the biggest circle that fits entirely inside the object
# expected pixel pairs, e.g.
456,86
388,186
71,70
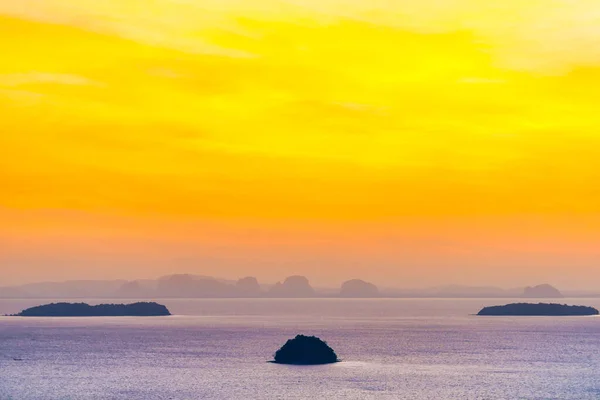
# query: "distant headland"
542,291
101,310
540,309
296,286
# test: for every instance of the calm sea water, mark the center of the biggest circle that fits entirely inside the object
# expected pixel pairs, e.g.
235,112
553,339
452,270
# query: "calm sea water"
218,349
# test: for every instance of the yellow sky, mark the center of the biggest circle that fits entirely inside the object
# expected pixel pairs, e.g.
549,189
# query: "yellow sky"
420,142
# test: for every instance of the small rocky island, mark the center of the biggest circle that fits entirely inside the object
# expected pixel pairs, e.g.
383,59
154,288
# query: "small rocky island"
540,309
305,350
101,310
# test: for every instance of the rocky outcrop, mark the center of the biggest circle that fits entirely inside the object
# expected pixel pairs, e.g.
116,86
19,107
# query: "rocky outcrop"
305,350
248,287
293,286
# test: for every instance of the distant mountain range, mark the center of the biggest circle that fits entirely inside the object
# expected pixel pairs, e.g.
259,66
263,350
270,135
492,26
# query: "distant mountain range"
199,286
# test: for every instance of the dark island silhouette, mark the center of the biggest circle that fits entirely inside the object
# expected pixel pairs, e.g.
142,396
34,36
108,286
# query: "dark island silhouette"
305,350
540,309
101,310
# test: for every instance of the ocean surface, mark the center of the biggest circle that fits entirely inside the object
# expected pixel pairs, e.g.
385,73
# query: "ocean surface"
219,349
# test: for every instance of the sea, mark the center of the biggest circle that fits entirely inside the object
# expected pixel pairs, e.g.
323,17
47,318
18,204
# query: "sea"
417,349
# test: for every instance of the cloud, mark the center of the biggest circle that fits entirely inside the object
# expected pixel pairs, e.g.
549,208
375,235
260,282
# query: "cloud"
341,117
27,78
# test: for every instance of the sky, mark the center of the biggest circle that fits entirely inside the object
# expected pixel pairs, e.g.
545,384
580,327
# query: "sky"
406,143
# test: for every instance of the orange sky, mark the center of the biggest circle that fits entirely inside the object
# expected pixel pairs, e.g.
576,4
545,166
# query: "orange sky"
407,143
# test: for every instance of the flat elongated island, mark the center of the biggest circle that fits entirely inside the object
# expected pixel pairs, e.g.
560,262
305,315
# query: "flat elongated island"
101,310
540,309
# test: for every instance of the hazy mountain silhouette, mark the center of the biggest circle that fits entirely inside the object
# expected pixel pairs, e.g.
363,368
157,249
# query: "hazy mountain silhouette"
71,289
469,291
186,285
292,286
201,277
201,286
248,287
542,291
358,288
12,293
136,289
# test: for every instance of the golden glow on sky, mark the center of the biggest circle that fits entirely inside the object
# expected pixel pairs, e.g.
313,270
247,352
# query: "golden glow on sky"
353,134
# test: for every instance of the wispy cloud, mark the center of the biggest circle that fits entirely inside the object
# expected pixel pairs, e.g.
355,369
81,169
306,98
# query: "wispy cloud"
28,78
